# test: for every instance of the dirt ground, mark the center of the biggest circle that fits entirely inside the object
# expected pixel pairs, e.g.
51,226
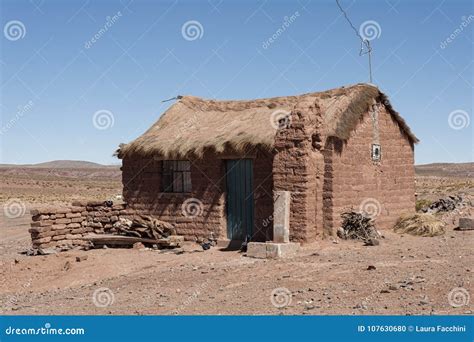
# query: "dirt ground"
59,185
407,275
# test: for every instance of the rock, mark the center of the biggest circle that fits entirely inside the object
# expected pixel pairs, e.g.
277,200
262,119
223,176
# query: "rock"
393,287
371,268
94,203
449,203
17,261
362,306
81,258
31,252
46,251
372,242
384,291
466,223
341,233
419,279
67,266
138,245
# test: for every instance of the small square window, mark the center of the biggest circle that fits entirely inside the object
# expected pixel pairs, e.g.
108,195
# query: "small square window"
376,152
176,176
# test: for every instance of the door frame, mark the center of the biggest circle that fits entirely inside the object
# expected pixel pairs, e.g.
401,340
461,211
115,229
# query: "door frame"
241,189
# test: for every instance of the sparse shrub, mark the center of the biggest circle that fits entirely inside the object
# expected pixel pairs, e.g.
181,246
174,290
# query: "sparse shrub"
420,225
422,203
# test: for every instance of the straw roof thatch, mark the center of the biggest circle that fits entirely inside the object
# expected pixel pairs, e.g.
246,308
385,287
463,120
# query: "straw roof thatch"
192,125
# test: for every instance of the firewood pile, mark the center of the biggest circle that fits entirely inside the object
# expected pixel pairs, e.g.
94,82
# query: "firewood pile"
143,226
359,227
139,229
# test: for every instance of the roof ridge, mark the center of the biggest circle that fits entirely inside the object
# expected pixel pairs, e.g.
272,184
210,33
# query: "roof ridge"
187,98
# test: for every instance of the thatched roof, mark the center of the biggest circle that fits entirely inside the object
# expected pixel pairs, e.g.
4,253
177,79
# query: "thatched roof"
192,124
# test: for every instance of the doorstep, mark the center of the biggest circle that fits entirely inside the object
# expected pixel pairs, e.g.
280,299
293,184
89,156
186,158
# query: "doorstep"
272,250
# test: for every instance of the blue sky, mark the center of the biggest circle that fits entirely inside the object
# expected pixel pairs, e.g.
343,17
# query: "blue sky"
54,78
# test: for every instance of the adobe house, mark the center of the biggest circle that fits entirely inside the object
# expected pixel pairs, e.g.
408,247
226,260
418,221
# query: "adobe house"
222,167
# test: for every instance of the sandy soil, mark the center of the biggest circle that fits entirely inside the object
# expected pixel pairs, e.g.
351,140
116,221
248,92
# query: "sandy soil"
58,186
412,275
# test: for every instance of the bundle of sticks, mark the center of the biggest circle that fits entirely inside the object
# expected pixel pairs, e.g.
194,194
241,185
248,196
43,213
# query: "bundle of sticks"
357,226
144,226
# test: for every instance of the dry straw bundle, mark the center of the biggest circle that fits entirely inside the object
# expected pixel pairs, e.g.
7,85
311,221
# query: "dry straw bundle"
420,225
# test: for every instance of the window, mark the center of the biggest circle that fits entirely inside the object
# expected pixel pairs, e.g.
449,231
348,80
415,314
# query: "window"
176,176
376,152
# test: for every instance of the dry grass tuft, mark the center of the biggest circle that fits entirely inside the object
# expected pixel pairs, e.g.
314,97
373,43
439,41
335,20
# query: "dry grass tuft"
420,225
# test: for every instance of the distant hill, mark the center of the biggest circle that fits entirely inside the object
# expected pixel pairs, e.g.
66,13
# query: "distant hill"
436,169
463,170
63,164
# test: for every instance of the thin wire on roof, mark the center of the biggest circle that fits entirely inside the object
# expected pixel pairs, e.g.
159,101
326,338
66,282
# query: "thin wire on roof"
363,42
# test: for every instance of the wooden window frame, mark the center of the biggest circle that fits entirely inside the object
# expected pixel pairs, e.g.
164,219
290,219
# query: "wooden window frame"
176,176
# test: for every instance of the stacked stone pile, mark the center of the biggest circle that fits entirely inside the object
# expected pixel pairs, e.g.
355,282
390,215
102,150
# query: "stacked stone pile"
65,227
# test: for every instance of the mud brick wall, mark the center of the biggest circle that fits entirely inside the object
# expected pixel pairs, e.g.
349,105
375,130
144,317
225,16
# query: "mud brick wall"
354,180
53,227
263,196
297,168
141,178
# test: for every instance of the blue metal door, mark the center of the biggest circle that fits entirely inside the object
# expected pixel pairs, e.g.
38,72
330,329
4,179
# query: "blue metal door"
240,204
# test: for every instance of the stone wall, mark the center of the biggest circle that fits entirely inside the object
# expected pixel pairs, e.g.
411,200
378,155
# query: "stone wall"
64,227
